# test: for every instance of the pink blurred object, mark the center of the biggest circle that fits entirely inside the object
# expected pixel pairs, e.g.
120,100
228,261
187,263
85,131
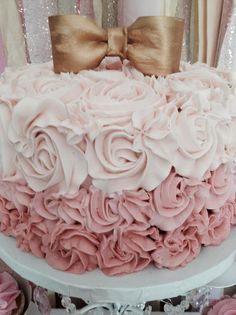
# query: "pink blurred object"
133,9
2,56
224,306
24,298
9,292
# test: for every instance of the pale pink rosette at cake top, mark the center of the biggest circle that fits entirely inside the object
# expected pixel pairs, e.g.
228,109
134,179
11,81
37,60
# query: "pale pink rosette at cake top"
126,131
9,292
113,169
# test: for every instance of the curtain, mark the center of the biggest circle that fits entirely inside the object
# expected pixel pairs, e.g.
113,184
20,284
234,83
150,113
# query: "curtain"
2,55
209,36
12,35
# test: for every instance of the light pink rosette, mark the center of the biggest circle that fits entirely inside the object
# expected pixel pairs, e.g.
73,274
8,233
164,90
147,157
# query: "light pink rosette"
35,80
134,206
50,206
115,164
18,193
179,247
127,252
218,227
29,234
194,78
200,142
114,98
222,187
175,199
152,130
7,152
20,83
226,306
43,155
71,248
9,291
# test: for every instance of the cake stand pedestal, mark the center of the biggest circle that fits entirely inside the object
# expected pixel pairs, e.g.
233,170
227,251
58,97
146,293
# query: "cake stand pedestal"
147,285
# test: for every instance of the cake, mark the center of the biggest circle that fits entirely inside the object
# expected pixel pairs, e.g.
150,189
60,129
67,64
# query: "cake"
115,170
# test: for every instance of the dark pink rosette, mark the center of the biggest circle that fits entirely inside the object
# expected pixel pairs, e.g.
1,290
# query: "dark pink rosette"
70,209
175,199
222,187
179,247
218,228
102,216
15,198
9,217
126,252
134,206
71,248
30,232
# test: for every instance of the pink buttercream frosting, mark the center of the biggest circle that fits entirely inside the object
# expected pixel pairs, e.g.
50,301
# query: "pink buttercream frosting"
182,245
114,169
9,292
218,227
71,209
123,129
126,252
40,157
222,187
71,248
175,199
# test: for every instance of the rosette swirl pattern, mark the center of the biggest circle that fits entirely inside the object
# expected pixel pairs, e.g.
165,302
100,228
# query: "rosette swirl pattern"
114,169
44,157
115,161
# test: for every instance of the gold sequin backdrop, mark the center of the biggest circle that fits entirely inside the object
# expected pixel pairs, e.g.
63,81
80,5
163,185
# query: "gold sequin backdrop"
210,26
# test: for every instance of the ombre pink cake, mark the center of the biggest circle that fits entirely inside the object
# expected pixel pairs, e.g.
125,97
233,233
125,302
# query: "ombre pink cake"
115,170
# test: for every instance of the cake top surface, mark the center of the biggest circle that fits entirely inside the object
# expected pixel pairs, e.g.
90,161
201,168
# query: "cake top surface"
114,126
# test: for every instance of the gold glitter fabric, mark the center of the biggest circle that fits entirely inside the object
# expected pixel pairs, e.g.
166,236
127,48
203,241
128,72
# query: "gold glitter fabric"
214,13
109,13
12,34
228,50
35,24
228,6
183,10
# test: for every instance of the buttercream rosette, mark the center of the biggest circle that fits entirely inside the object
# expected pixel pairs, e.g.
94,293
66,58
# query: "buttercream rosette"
113,169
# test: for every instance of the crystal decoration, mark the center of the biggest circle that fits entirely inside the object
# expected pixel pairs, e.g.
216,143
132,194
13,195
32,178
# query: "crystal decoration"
68,305
40,298
176,310
199,298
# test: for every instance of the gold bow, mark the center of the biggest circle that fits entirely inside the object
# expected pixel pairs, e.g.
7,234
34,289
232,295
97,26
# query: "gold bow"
151,44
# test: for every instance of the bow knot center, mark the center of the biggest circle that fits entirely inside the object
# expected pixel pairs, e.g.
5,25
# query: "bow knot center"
117,42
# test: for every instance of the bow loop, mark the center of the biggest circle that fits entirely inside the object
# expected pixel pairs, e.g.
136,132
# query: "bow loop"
152,44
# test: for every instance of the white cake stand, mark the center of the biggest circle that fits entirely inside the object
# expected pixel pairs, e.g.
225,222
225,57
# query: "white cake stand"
150,284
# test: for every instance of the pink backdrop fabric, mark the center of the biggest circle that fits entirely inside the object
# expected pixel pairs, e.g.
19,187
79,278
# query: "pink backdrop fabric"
2,56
